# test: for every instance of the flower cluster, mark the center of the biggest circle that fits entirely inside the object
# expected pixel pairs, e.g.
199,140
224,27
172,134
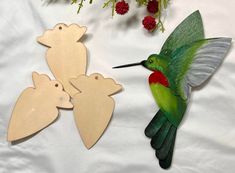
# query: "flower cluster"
150,22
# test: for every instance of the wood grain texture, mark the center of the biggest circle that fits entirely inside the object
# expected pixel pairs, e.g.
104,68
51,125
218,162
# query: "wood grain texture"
37,107
66,56
93,107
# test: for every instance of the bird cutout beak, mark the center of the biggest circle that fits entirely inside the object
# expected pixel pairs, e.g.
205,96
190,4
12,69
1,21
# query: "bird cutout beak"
64,102
130,65
43,40
68,105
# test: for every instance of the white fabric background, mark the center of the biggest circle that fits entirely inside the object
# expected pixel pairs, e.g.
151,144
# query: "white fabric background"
206,139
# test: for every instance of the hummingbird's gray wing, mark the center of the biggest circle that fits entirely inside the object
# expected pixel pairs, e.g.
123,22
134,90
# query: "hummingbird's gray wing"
188,31
193,64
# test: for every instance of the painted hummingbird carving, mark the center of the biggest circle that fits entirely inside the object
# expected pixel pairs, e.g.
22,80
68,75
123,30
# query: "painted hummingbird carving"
185,61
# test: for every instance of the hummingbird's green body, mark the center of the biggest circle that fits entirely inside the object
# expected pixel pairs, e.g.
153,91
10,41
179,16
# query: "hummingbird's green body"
172,105
186,60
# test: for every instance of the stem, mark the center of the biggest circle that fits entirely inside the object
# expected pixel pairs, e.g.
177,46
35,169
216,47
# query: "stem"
106,4
113,7
80,5
165,3
159,14
161,26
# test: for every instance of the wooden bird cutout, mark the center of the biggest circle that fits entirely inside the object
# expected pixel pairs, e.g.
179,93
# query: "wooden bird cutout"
66,56
93,107
37,107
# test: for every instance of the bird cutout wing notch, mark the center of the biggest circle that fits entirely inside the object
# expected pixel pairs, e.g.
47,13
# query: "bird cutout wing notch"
37,107
186,61
93,107
66,56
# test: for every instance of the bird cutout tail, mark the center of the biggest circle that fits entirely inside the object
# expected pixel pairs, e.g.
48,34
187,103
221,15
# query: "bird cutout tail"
162,133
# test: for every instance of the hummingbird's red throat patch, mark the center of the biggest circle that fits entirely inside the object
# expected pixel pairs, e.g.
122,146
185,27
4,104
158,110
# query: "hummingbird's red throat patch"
158,77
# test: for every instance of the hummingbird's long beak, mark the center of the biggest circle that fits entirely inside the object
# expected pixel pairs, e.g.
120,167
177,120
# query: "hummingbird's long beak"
130,65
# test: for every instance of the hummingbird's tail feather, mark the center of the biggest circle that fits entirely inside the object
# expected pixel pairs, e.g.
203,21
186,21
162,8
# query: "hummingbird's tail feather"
162,133
166,163
159,138
169,142
155,124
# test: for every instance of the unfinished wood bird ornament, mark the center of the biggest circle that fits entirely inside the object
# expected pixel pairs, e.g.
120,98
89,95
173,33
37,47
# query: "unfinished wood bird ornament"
37,107
186,60
93,107
66,56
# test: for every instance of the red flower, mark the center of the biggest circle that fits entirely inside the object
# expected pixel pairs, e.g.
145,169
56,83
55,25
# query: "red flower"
152,6
149,23
122,7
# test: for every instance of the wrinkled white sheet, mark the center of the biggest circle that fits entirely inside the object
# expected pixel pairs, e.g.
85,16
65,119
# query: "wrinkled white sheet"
206,139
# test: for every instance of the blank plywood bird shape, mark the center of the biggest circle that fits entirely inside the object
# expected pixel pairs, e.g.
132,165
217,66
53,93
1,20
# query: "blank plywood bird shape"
36,108
93,107
66,56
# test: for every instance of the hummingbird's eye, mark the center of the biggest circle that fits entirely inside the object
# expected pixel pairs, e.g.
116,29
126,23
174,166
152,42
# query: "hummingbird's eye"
150,61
